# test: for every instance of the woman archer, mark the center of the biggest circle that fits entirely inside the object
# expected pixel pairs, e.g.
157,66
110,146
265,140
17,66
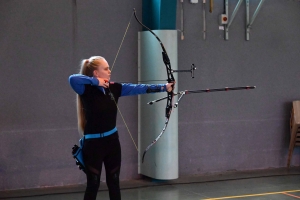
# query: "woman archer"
97,100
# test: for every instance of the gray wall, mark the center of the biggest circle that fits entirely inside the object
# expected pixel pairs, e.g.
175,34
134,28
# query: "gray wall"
43,41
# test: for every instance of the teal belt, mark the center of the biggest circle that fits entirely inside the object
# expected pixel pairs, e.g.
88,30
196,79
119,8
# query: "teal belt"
100,135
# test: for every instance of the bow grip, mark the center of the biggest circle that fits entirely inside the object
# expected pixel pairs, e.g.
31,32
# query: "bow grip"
166,58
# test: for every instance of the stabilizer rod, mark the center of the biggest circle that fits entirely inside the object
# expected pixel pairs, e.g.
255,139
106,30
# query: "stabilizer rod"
205,91
193,68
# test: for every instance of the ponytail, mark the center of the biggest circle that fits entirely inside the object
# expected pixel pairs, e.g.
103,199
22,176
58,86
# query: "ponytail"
87,68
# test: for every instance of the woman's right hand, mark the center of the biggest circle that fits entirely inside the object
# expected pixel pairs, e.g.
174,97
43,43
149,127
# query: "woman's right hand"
103,82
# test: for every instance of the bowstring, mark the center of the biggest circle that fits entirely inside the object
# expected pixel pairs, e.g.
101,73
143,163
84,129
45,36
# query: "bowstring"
109,88
121,42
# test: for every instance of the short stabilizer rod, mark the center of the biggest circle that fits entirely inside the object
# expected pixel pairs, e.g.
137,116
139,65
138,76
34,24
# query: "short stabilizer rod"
192,70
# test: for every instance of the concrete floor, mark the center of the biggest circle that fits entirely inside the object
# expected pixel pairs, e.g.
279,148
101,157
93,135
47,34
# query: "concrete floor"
275,184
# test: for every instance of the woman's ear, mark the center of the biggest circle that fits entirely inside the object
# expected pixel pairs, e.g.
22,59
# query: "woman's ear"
95,73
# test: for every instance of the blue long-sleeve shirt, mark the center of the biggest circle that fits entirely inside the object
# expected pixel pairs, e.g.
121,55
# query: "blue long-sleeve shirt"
78,82
99,103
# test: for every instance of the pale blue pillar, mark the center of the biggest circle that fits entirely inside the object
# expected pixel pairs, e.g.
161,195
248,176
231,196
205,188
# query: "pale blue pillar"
161,161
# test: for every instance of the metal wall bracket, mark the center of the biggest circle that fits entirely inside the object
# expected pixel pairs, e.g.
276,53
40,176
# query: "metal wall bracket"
226,26
250,22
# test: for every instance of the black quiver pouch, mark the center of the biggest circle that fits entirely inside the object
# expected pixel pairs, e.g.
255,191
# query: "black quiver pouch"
77,154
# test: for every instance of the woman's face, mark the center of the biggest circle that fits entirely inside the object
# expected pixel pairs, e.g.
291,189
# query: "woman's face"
102,70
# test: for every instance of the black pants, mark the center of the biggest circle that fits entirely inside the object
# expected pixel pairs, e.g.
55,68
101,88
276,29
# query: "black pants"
105,150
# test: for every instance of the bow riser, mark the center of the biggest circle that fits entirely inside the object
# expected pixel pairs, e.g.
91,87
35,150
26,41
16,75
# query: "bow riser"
170,79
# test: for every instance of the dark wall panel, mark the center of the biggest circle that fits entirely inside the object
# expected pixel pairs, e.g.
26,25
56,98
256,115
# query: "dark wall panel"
43,42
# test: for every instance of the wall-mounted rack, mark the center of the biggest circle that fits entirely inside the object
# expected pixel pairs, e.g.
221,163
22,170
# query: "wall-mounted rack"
249,22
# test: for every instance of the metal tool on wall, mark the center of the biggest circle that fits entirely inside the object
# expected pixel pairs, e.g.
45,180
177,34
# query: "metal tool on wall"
181,20
204,19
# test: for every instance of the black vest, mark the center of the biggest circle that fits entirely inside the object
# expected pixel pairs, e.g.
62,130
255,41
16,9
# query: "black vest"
100,109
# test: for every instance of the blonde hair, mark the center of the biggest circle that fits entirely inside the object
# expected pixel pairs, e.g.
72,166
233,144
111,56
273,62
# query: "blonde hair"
87,68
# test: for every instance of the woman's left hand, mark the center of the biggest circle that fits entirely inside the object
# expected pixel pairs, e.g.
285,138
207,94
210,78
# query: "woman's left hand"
170,86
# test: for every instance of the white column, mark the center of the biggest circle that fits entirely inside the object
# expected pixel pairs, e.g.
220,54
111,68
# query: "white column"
161,161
